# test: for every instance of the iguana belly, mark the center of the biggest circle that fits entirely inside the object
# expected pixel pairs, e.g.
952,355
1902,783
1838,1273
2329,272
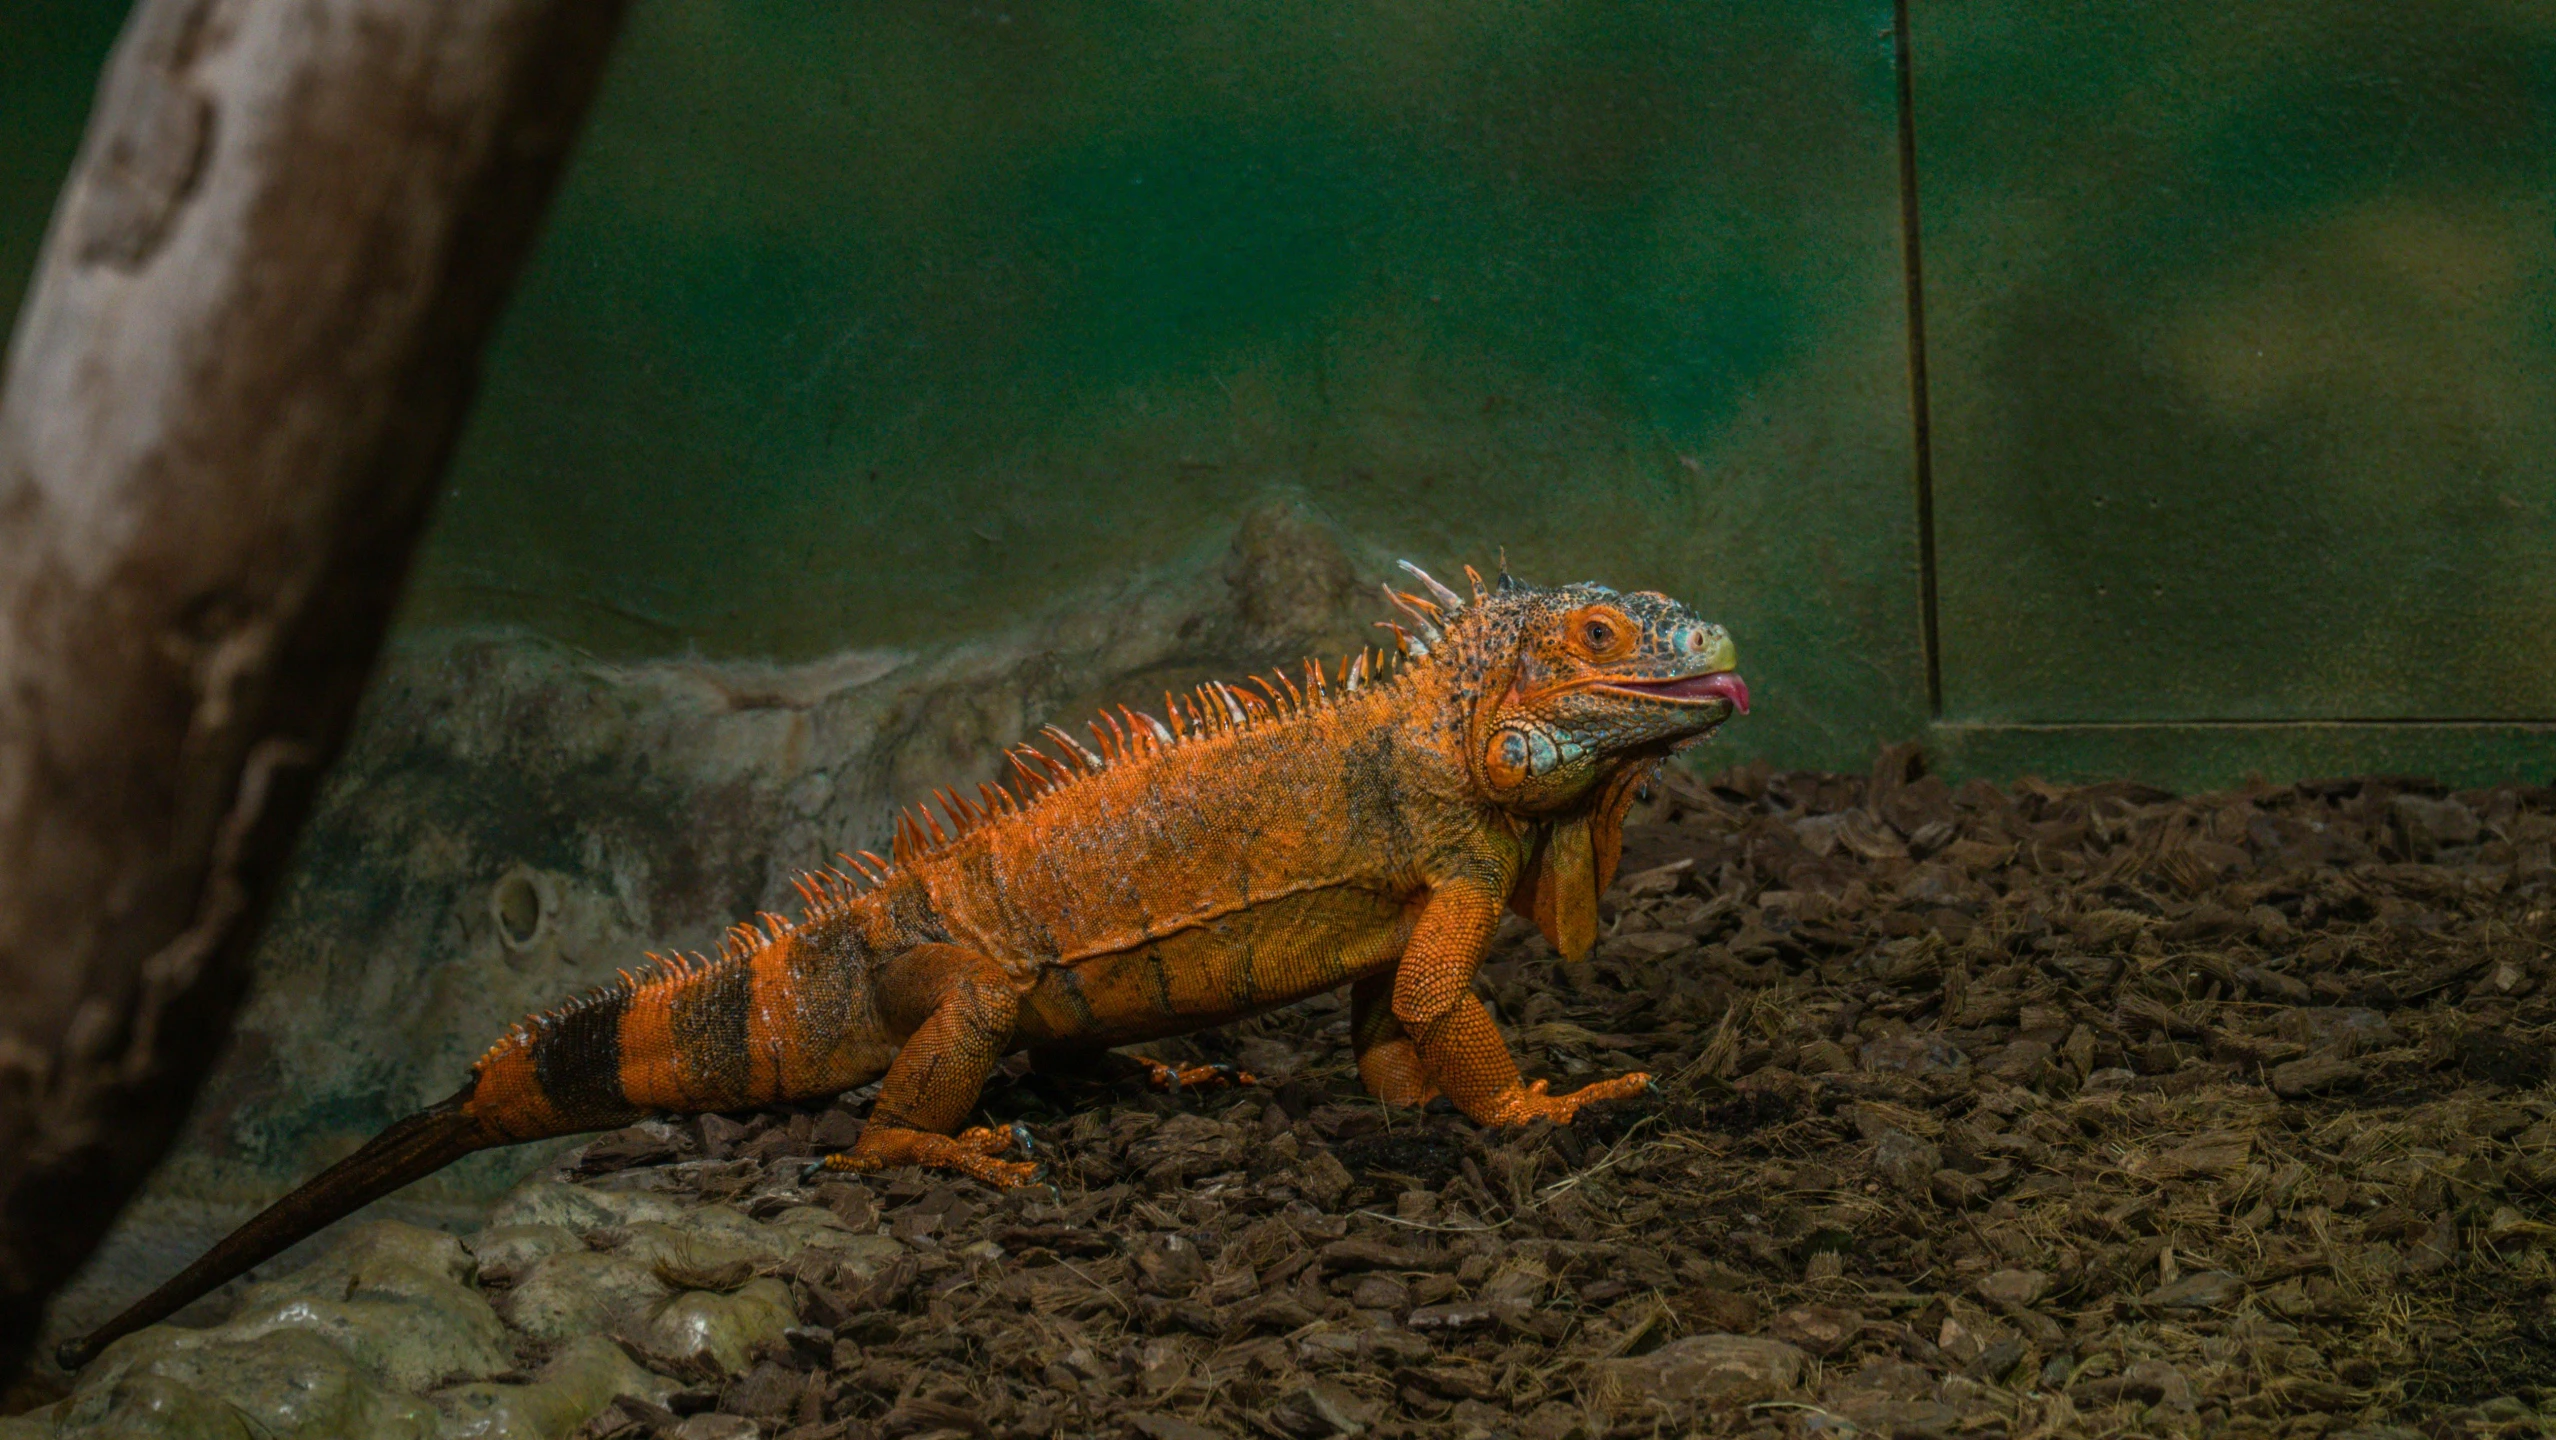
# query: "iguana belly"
1239,965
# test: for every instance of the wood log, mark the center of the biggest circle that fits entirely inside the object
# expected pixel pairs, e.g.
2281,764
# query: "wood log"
244,360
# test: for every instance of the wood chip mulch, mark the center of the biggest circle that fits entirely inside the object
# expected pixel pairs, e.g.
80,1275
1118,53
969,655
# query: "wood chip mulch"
2035,1110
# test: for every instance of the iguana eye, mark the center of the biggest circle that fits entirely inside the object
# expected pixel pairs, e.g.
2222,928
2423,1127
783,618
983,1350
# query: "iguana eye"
1600,635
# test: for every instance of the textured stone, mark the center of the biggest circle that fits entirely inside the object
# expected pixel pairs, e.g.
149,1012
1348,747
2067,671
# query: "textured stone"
577,1384
335,1348
393,1297
512,1249
812,1227
690,1259
722,1329
582,1293
727,1226
203,1385
580,1208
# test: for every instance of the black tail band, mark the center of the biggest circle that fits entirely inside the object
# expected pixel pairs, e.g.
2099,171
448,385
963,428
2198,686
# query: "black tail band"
410,1149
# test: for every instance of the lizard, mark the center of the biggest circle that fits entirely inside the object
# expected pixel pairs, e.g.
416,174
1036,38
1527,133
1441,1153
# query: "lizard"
1368,826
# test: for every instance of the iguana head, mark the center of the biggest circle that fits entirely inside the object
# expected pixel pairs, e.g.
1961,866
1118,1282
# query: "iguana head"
1573,683
1572,696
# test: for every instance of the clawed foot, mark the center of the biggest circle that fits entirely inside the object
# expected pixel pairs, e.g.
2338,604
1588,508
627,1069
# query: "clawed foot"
1176,1078
970,1152
1529,1102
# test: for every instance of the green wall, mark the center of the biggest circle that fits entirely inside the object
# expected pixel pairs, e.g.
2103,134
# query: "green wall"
50,55
2241,343
882,325
888,325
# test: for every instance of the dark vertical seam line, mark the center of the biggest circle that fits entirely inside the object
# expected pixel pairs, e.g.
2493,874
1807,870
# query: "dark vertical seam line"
1920,420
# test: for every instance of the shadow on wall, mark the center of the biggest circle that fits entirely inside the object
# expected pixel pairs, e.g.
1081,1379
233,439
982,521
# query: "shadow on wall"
513,822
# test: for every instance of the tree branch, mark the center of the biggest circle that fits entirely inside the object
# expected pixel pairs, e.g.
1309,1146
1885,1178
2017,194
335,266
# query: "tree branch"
242,366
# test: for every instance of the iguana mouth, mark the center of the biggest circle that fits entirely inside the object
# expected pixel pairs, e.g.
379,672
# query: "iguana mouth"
1723,685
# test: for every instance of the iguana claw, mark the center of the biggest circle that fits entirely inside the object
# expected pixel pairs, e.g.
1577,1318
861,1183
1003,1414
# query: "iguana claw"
1172,1079
1529,1102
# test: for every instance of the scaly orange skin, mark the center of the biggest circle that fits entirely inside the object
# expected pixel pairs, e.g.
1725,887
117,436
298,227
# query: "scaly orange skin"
1366,830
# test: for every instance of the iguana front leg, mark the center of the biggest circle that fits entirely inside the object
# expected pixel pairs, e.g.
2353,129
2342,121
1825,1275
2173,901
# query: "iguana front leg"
959,1006
1458,1046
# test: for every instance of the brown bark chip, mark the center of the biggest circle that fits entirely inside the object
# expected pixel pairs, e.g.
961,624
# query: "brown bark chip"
1823,1213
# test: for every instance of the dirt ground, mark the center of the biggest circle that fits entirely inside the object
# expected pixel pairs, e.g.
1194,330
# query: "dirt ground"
2034,1111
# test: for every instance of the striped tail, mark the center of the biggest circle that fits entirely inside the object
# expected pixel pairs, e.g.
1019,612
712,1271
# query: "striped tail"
783,1013
410,1149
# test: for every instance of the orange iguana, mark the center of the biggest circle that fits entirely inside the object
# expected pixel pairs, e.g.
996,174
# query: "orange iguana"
1253,847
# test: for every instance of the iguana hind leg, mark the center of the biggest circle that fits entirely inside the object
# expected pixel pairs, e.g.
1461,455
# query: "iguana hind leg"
960,1007
1388,1062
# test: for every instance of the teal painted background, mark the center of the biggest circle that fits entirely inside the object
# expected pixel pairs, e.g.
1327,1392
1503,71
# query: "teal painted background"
50,55
886,325
2242,350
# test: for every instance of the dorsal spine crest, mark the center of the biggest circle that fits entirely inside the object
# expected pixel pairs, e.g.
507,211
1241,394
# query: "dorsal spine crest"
1213,710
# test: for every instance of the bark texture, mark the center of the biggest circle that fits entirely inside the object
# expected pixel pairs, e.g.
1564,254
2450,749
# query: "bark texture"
243,364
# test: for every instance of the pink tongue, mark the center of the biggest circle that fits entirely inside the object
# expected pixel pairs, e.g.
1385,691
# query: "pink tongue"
1727,684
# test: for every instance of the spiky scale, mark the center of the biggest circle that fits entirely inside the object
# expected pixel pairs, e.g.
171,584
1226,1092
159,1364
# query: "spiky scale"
1422,613
1235,709
1070,751
1447,599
